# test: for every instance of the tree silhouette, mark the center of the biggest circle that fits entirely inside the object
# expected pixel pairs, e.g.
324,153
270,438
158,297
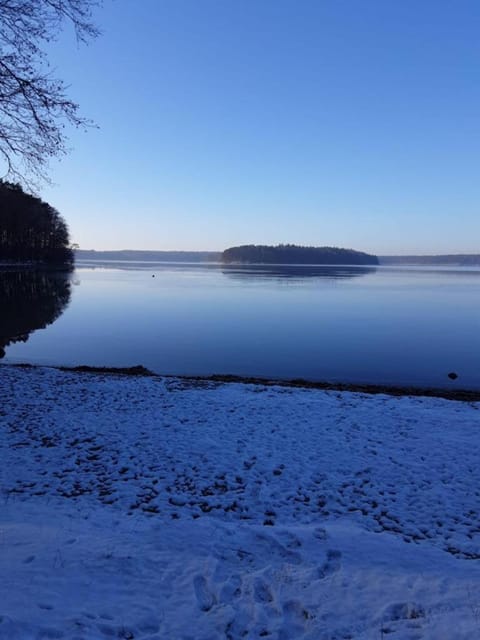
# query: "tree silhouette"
292,254
31,230
34,105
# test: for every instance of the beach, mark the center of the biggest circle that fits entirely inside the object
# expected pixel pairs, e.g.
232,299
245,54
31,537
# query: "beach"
153,507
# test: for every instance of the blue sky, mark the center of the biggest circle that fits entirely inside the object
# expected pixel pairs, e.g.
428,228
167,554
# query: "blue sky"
320,122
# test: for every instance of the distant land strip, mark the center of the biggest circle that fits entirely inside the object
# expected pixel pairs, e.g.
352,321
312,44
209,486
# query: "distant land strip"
452,260
148,256
130,255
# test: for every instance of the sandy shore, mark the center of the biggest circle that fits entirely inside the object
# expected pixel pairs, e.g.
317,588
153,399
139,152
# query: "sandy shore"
150,507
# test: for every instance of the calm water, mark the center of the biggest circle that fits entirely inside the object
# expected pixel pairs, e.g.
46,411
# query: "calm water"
379,325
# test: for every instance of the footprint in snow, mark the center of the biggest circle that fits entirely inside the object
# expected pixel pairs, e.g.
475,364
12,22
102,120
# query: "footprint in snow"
205,598
90,616
262,591
403,611
331,565
275,548
289,539
320,533
294,618
231,590
293,610
239,626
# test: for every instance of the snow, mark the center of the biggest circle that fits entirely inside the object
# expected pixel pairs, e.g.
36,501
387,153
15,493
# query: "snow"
151,507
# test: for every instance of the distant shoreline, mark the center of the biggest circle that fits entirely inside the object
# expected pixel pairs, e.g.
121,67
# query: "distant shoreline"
447,260
453,260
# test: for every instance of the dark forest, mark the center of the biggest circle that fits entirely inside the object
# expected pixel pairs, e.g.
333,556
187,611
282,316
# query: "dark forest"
292,254
31,231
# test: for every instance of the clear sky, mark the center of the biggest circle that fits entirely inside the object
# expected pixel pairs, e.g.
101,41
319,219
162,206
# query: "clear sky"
321,122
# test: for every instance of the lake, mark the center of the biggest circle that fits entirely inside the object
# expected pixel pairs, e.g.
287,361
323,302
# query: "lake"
380,325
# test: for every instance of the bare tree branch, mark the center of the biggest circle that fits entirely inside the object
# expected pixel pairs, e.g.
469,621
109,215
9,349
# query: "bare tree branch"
34,106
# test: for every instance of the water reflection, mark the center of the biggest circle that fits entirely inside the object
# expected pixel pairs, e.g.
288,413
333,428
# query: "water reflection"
30,300
144,265
394,326
238,271
295,272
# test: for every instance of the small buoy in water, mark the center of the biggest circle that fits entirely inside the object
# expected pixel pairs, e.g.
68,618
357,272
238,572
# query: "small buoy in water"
452,375
153,275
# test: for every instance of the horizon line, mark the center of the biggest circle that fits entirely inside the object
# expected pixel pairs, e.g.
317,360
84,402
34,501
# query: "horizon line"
390,255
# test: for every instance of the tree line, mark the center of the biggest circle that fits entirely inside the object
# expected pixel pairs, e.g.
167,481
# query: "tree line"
31,230
453,260
293,254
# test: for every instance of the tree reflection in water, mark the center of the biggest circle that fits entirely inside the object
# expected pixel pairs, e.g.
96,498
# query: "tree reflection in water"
292,272
30,300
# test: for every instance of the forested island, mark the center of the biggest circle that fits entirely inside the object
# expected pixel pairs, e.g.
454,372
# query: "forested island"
293,254
31,231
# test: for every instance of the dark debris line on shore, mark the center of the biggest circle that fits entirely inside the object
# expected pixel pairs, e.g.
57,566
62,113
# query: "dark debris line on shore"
459,395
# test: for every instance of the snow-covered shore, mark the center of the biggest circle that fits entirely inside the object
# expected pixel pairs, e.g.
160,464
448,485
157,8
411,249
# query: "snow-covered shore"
137,507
